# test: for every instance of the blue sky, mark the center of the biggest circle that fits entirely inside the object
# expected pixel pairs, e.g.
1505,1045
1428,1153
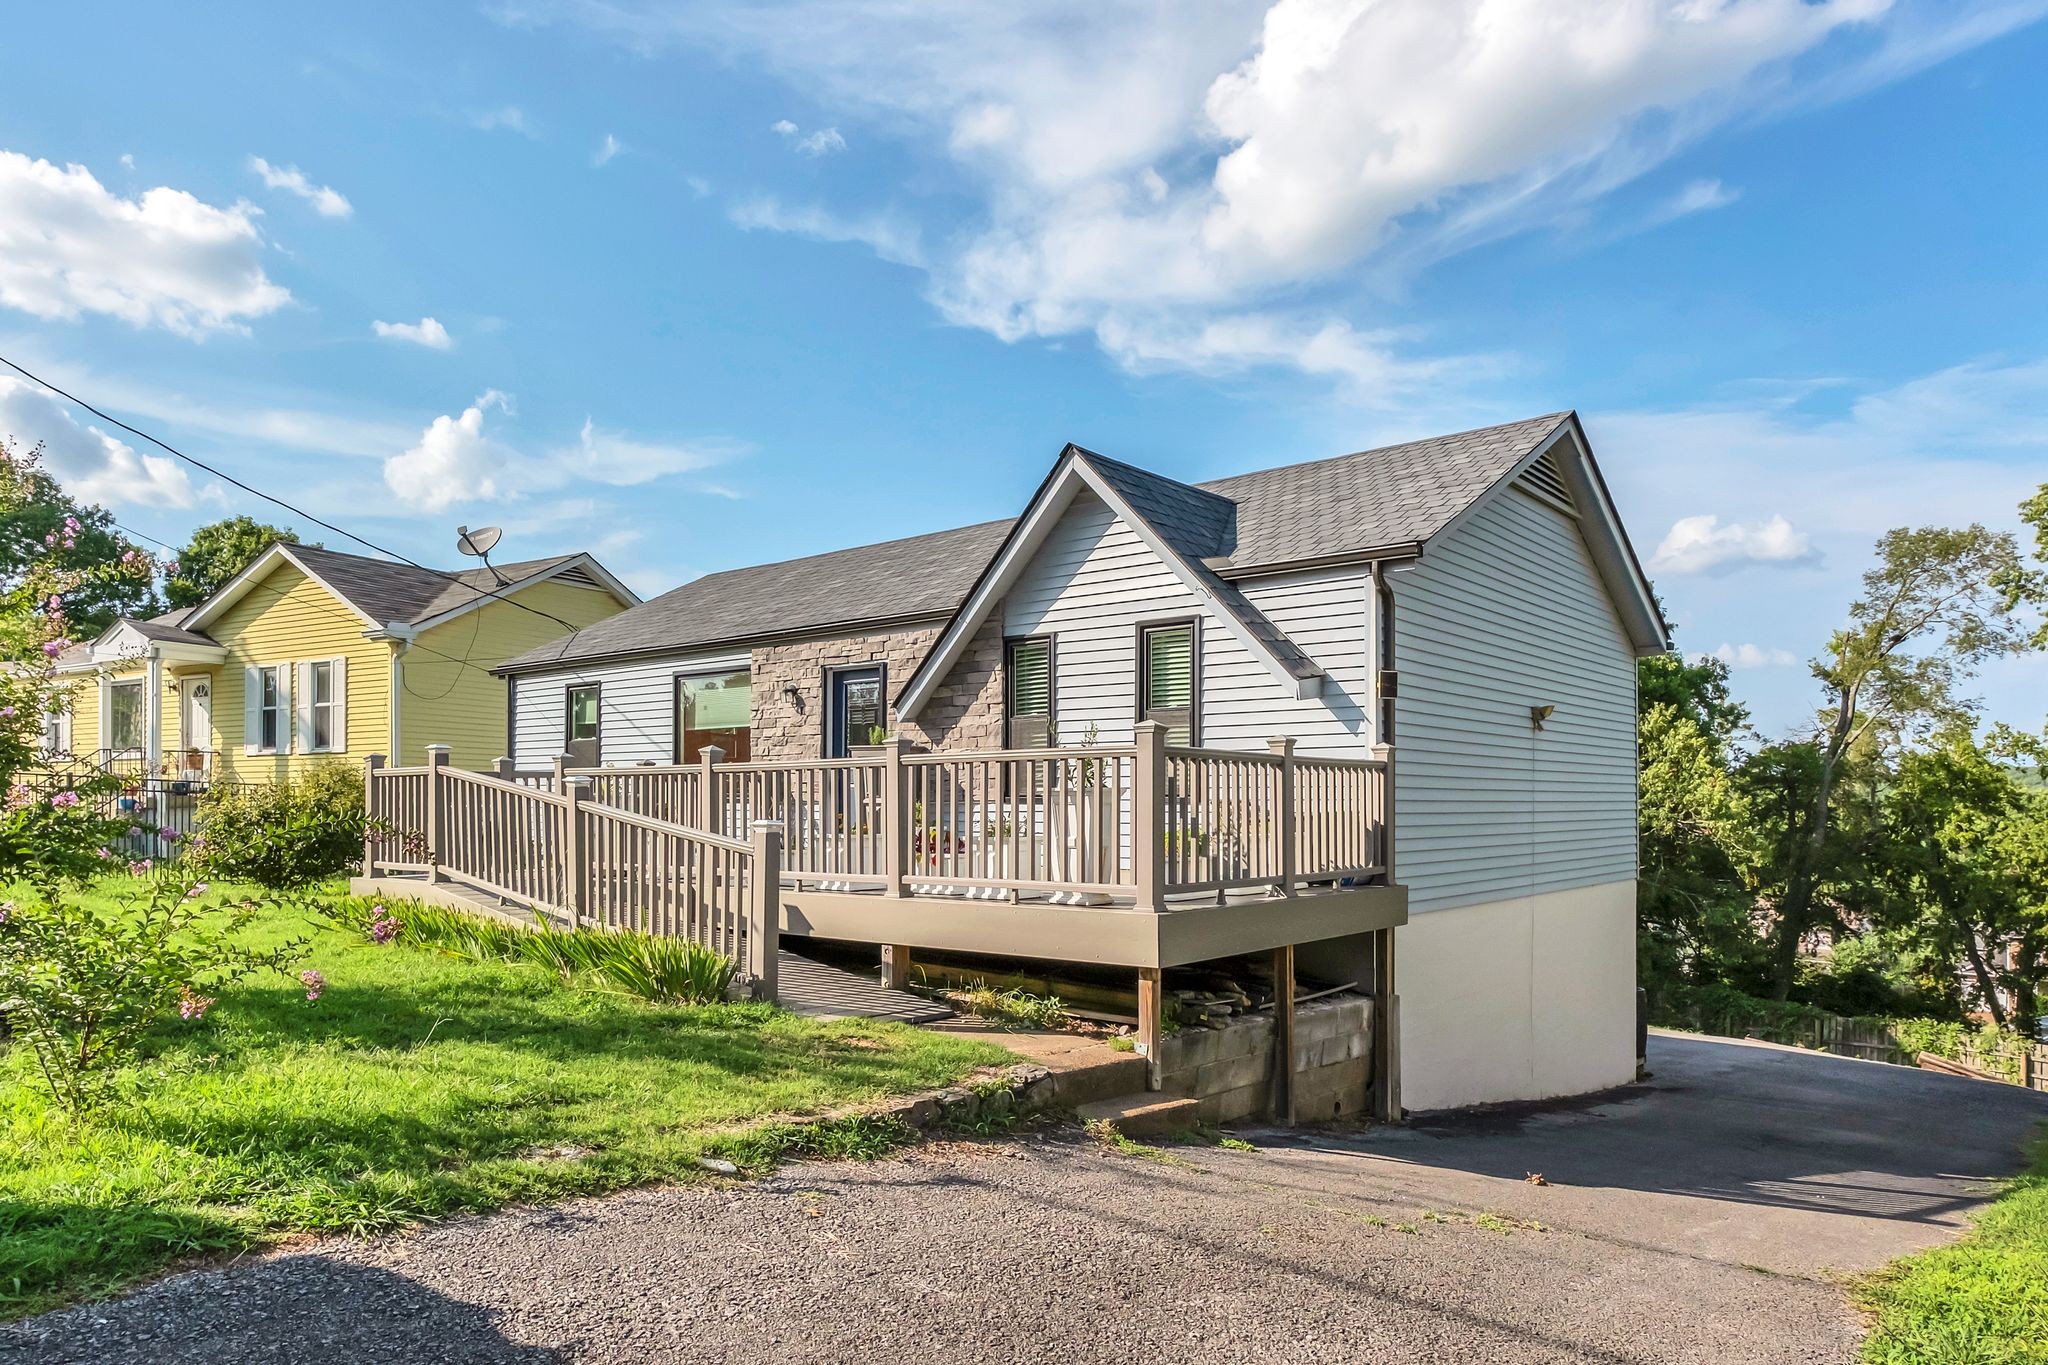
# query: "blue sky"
712,284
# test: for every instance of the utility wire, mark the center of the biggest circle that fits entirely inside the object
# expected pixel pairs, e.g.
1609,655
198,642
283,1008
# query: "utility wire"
226,477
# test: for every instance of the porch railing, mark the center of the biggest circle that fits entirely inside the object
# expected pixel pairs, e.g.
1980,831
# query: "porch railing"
542,841
1139,822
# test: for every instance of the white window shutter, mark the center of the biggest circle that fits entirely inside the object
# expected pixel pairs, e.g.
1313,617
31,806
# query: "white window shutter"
338,729
106,715
252,710
301,711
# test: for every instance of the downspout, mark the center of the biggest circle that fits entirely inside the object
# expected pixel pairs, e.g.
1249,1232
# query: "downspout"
1386,998
401,637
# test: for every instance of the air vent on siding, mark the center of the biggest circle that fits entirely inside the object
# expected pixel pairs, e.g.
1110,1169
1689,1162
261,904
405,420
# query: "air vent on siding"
579,578
1543,479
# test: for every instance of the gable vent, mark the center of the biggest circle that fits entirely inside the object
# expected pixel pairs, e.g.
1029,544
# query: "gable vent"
579,578
1544,481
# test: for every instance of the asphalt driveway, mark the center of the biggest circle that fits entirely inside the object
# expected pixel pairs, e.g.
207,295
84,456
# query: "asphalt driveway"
1703,1216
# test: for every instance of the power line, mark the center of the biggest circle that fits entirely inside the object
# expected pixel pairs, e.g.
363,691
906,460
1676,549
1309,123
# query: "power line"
253,491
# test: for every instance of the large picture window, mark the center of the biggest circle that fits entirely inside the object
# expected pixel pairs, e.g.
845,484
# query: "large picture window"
714,710
1169,680
1028,716
124,716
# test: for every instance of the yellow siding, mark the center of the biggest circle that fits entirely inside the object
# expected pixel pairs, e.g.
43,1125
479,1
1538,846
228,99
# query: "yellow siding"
287,619
85,706
450,696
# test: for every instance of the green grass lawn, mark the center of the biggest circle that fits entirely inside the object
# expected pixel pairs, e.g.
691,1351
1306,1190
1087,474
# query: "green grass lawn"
1983,1300
418,1085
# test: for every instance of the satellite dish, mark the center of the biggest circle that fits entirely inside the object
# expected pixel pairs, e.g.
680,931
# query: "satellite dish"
478,543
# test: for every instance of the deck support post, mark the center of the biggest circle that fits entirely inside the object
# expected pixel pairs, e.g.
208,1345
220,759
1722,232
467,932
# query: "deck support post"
575,850
437,759
1289,846
1148,808
1283,1034
895,965
764,909
1151,1020
372,766
1386,1031
708,759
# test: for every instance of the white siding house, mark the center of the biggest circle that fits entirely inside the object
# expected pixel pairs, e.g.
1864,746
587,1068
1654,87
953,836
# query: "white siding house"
1468,607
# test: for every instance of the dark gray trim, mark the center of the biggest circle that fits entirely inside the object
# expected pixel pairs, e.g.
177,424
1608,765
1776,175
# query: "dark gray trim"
675,705
1052,678
829,702
569,691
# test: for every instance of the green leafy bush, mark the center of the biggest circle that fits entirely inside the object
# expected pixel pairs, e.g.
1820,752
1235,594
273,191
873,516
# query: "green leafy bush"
81,984
56,832
287,835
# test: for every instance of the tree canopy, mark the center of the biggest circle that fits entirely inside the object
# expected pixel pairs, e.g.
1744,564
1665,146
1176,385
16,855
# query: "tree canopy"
217,552
44,529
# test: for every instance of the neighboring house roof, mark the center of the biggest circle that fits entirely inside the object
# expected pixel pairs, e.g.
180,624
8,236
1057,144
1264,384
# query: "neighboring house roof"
385,593
1375,503
922,577
381,592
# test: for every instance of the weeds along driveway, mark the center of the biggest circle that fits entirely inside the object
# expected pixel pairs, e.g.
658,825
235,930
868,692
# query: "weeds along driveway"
1690,1219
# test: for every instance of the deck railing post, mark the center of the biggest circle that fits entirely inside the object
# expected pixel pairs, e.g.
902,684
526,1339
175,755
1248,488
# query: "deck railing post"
372,766
437,762
575,849
503,769
896,817
764,908
1148,810
708,759
1288,853
1384,753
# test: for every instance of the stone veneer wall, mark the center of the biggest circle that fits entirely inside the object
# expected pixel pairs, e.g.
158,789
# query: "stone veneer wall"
966,713
1229,1071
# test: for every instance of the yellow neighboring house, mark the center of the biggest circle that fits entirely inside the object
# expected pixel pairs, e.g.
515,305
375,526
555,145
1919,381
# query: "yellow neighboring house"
310,654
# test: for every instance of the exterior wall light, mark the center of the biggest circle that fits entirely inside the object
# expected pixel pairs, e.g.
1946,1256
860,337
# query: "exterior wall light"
1539,714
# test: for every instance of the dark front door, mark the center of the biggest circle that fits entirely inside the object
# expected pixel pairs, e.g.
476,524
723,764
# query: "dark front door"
856,712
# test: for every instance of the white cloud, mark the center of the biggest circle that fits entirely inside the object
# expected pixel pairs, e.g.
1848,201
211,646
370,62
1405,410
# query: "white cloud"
425,332
817,142
128,160
891,238
508,118
1701,196
93,466
68,246
1700,544
327,202
606,150
456,460
1755,656
1302,137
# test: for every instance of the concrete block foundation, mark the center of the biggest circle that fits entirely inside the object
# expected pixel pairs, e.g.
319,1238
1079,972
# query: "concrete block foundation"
1229,1071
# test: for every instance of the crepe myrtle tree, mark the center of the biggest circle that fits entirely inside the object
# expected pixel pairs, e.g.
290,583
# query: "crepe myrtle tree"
1938,603
42,578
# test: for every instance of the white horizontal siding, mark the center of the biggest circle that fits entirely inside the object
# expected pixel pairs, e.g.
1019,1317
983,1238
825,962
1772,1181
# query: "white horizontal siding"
1094,581
1506,614
636,707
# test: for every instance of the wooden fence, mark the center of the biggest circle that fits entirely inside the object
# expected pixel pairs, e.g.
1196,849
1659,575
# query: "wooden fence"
569,857
1139,821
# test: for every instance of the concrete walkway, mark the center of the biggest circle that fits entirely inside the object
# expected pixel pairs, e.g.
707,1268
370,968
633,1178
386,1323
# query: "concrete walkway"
1701,1217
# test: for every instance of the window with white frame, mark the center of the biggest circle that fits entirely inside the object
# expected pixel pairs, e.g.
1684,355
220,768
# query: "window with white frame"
268,705
124,716
323,706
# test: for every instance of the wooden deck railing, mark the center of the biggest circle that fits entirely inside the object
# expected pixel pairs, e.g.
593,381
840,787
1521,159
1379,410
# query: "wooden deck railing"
549,846
1137,822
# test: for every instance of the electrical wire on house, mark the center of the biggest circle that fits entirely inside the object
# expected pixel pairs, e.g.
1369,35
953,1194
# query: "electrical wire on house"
254,491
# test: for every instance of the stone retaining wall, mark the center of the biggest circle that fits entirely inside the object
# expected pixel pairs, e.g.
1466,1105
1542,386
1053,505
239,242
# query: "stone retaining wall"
1229,1071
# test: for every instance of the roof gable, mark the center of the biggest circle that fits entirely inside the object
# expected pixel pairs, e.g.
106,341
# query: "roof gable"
1180,525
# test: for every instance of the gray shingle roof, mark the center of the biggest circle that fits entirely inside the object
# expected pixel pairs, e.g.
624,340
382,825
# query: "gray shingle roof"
387,592
168,627
898,579
1375,499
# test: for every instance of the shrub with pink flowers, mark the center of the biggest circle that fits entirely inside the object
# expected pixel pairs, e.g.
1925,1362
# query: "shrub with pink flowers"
84,985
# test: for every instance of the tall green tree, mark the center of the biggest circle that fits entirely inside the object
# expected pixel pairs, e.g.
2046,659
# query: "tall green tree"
1935,606
1698,829
217,552
46,531
1969,867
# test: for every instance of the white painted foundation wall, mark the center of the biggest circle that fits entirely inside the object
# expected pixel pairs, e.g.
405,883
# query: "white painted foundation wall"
1521,999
